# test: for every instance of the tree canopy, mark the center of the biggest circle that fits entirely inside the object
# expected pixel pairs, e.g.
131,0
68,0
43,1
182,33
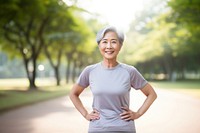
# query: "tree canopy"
167,41
31,28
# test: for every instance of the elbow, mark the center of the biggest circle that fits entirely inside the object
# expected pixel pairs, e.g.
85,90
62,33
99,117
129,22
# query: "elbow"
152,95
155,96
75,92
71,95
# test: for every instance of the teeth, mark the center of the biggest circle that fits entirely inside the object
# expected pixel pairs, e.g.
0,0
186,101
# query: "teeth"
109,52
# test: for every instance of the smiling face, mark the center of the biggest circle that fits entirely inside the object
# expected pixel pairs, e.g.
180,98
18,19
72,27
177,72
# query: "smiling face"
110,46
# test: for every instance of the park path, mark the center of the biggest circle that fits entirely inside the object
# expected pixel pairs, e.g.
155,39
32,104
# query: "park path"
171,113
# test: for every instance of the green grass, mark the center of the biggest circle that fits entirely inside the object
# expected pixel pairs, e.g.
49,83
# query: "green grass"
14,93
188,87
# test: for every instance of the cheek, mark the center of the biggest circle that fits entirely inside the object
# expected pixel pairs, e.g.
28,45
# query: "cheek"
118,48
101,48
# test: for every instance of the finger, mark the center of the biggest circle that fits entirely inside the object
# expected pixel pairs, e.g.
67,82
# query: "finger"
125,108
95,115
95,111
125,117
94,118
124,113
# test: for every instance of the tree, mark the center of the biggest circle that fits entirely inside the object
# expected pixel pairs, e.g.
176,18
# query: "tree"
187,14
168,42
58,33
23,24
80,48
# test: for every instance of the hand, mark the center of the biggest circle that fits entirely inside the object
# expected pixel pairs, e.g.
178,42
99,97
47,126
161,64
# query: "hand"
128,114
94,115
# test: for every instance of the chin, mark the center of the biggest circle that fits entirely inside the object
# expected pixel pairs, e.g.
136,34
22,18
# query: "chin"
109,58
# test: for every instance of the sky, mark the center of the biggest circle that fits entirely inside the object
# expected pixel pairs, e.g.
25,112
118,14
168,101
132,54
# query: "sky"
117,13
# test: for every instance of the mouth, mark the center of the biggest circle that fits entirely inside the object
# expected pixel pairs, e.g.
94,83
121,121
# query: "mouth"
109,52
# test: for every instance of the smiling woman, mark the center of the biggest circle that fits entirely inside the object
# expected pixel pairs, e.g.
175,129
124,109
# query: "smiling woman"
110,83
118,13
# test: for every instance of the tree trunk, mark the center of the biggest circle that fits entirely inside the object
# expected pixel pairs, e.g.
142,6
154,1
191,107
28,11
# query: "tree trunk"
57,75
31,74
55,65
74,71
69,59
34,74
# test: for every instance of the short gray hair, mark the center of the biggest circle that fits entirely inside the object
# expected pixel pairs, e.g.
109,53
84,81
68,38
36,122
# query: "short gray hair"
103,31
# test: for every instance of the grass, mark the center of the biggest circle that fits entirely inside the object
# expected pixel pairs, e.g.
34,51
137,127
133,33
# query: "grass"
187,87
14,93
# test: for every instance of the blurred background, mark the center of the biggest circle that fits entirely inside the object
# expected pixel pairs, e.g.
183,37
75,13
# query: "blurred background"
56,39
44,44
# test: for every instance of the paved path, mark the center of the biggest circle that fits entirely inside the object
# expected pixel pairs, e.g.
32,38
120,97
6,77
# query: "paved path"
171,113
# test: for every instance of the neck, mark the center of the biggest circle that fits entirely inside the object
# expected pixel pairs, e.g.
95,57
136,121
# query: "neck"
109,63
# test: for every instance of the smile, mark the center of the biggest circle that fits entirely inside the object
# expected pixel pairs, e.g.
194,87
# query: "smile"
109,52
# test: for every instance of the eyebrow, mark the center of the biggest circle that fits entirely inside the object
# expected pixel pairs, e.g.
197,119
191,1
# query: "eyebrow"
111,39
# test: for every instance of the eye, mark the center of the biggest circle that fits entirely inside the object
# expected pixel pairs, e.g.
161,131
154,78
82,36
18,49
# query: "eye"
114,42
104,42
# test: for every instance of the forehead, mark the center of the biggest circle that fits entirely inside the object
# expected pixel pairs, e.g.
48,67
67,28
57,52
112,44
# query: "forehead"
110,35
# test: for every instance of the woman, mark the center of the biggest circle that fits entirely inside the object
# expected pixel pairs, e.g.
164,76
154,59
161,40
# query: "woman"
110,83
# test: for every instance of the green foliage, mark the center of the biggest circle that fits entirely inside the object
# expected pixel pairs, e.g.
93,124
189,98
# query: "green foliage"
185,12
29,27
168,42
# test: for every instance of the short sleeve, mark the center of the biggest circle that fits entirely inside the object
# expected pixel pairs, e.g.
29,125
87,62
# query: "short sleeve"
137,80
83,79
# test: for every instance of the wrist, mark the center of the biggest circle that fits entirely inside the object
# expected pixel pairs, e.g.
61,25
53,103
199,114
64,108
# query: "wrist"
85,114
138,114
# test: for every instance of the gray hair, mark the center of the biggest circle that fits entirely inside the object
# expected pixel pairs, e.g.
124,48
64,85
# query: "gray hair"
103,31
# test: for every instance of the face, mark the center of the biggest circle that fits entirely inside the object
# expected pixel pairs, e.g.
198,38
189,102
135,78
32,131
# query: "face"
109,46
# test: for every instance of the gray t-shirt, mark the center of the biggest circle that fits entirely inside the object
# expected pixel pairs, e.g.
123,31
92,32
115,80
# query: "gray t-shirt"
110,89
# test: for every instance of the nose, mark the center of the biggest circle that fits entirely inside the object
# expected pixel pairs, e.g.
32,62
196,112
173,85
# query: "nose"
109,45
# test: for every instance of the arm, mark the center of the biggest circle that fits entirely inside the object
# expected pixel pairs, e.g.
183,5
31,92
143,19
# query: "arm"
151,96
74,96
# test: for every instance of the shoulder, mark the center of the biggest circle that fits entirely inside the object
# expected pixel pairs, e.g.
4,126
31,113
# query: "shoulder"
127,67
130,69
89,68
